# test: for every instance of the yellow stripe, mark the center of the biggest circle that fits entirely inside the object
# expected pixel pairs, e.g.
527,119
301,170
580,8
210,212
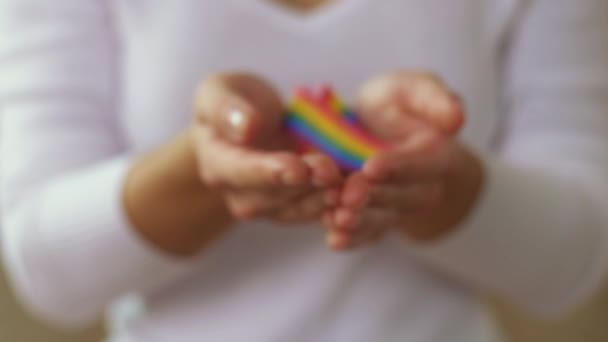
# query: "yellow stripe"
329,130
336,105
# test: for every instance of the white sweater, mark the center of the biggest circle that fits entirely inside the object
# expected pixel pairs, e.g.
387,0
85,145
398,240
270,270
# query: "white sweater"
88,85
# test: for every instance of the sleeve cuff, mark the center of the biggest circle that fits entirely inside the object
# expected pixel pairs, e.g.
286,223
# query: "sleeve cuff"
94,245
519,237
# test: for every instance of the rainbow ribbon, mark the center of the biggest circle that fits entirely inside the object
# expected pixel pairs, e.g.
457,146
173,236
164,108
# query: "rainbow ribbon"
323,123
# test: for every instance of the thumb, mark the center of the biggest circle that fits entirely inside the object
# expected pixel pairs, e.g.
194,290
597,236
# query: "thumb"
236,122
240,108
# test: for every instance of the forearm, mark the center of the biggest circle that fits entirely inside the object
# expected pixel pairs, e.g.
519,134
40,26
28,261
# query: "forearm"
168,204
461,186
68,243
535,236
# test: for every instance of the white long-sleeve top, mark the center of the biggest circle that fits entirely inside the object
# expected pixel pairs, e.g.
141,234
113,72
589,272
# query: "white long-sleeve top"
88,85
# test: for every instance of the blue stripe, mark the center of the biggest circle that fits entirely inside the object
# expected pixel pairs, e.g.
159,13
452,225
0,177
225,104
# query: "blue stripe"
352,119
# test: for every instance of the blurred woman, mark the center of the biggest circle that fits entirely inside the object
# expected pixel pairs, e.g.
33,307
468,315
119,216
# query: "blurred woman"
110,186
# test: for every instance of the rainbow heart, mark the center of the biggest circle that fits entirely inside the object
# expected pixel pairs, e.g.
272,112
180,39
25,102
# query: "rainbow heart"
323,123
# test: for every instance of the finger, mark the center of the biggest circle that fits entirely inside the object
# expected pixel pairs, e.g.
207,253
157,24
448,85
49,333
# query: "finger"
342,240
240,107
371,226
344,219
254,203
429,97
338,240
419,158
224,164
310,207
406,198
285,205
393,122
378,235
393,101
327,219
325,171
369,218
367,238
355,192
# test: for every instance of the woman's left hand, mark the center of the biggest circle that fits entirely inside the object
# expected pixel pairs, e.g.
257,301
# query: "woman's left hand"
426,184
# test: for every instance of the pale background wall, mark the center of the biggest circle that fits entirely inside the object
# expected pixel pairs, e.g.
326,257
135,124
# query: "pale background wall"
16,326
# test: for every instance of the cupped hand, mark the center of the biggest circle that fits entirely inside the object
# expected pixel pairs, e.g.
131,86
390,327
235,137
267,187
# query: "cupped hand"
426,183
243,151
397,105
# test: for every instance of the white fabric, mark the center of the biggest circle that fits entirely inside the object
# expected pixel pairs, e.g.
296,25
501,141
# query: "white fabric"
86,85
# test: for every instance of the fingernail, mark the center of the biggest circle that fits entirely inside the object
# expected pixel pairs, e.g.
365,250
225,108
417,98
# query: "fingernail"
237,123
345,218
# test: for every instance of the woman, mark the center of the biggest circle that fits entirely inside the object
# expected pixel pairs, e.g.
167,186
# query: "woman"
110,187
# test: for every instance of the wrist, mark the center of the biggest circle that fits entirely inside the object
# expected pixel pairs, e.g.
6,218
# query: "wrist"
168,204
465,186
461,189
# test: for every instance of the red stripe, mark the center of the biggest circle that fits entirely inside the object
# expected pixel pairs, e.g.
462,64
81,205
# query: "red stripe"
326,94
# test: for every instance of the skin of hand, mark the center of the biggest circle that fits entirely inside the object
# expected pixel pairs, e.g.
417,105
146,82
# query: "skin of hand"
245,154
232,163
426,184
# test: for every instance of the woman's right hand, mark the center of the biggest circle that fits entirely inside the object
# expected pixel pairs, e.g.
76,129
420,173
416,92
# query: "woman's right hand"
244,153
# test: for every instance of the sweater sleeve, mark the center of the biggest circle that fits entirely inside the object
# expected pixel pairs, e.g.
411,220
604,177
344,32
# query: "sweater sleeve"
66,241
539,234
